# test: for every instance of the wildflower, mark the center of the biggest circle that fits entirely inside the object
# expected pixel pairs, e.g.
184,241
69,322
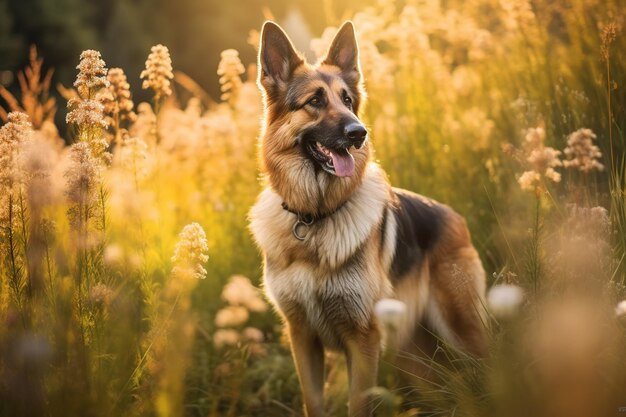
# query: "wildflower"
609,34
91,74
12,135
529,180
230,69
504,300
158,72
17,129
87,110
190,252
133,154
118,104
82,178
620,309
589,221
231,316
87,114
252,334
38,158
100,295
254,39
535,137
390,312
581,153
240,291
144,125
113,255
225,337
541,160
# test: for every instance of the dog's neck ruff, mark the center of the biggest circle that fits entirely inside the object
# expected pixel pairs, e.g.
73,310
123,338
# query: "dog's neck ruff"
306,220
330,242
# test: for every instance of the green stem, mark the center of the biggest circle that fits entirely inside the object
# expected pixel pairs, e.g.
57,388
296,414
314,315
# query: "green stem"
22,216
535,261
608,90
15,282
49,265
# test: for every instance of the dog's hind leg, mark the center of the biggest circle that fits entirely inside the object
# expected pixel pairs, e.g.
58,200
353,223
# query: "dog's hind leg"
456,309
308,355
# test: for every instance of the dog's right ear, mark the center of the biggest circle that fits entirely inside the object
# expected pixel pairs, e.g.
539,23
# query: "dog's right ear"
277,56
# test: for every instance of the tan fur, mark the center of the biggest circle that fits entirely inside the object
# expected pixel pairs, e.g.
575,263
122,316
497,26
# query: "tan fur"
325,287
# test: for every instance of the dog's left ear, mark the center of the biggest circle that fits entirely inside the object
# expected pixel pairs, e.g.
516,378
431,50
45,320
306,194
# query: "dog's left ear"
277,56
344,51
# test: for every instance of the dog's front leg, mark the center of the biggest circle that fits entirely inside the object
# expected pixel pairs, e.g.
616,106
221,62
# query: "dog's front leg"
308,354
362,356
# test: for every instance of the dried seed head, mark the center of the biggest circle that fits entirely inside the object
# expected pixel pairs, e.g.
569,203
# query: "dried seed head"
191,252
100,295
230,69
13,135
609,34
231,316
82,174
240,291
158,72
117,100
581,153
91,76
540,159
87,114
225,337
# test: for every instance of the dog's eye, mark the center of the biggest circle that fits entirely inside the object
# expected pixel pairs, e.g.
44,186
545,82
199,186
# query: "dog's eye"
315,102
347,101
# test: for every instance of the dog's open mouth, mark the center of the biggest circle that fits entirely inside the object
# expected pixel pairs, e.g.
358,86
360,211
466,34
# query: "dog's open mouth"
338,162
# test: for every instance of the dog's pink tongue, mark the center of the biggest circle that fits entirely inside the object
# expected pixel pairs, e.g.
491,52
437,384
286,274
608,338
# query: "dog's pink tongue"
344,164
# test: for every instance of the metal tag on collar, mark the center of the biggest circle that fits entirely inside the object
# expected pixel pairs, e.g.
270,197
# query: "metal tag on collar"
302,221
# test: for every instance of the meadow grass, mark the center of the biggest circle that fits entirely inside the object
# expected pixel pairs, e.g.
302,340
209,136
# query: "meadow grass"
129,280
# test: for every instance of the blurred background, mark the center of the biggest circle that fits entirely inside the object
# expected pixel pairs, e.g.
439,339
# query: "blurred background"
196,31
130,284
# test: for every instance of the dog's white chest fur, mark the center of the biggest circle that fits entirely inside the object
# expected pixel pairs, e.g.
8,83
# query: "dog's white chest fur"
321,277
329,304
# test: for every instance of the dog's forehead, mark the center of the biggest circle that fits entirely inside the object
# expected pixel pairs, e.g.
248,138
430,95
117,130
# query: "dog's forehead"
312,78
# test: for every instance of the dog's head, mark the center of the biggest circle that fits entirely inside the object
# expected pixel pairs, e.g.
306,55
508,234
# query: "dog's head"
312,128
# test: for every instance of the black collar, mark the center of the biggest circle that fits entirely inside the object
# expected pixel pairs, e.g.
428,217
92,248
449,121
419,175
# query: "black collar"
305,220
310,218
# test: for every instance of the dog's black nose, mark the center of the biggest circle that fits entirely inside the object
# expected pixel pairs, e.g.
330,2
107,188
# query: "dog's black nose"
355,133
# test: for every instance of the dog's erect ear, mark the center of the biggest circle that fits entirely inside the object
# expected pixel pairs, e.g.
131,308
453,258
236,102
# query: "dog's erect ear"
344,51
277,56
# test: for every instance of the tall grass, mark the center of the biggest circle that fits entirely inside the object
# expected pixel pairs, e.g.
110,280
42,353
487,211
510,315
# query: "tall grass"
103,241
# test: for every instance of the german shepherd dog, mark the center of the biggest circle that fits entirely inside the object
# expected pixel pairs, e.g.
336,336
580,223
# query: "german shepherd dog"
337,238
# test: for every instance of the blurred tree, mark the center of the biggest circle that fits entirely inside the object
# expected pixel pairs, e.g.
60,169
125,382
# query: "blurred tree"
61,29
195,31
11,43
